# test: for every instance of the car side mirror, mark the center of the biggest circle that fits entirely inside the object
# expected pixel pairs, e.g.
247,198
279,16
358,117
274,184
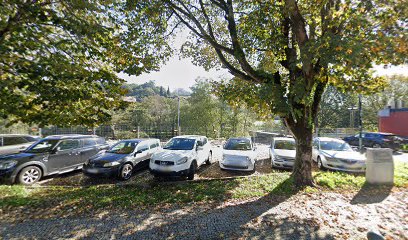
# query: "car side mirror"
53,151
138,151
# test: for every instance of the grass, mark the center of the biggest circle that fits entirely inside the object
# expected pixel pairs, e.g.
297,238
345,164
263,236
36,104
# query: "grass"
102,197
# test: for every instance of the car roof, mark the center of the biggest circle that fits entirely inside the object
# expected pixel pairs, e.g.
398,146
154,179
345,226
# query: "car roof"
70,136
240,138
328,139
140,139
381,133
190,136
284,138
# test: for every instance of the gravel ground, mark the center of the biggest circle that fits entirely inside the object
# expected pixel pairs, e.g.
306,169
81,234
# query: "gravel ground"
301,216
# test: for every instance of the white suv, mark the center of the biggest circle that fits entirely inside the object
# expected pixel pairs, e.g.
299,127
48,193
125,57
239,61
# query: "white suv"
181,156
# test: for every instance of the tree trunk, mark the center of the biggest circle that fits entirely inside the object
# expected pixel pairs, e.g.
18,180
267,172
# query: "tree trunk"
302,170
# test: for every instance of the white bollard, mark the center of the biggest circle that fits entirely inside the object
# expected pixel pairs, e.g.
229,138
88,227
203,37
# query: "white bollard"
380,166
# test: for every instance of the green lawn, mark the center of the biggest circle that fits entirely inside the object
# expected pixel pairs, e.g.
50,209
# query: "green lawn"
101,197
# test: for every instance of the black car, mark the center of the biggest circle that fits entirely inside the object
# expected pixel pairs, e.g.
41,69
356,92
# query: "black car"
50,155
122,158
376,140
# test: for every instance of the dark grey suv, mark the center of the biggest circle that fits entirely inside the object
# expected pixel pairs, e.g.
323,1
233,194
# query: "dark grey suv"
51,155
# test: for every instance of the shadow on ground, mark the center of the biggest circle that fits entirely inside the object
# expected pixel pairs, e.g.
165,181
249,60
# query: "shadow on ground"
219,222
370,193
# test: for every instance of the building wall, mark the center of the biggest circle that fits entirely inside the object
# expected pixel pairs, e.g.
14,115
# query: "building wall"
396,122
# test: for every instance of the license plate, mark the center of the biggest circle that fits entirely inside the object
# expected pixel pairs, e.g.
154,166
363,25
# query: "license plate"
165,169
92,170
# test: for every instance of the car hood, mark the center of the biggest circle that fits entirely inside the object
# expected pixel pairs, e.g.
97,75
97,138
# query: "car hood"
166,154
107,157
285,153
238,153
18,156
343,154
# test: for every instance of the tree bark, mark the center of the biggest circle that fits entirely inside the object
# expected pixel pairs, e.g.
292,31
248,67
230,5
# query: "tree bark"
302,170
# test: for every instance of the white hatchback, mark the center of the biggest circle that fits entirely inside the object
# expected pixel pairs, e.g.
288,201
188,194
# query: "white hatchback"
335,154
181,156
283,152
238,154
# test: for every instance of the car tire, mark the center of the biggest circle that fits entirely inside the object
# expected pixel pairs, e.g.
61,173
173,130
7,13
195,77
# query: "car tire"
192,170
320,164
29,175
376,145
125,172
209,159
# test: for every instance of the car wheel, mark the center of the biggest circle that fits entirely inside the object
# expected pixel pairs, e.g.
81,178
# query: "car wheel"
209,159
320,164
376,145
192,170
29,175
126,171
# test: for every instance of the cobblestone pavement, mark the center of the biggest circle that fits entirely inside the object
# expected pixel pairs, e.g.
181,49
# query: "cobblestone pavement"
301,216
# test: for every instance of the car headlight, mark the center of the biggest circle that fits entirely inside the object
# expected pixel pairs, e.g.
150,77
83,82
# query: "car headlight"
331,159
111,164
182,160
8,164
248,159
277,158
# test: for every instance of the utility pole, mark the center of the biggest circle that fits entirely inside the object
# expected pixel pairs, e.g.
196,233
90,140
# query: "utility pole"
178,114
360,123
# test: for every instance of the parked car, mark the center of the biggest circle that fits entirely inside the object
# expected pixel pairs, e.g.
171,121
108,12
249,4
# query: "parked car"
14,143
51,155
181,156
283,152
122,158
376,140
238,154
336,154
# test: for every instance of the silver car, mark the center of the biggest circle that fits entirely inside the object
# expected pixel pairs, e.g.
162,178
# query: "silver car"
283,152
14,143
238,154
335,154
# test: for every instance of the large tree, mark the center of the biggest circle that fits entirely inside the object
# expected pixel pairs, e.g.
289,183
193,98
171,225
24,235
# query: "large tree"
58,59
288,51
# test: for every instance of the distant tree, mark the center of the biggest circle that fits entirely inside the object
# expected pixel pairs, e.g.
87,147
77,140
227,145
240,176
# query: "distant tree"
168,94
396,89
161,91
334,109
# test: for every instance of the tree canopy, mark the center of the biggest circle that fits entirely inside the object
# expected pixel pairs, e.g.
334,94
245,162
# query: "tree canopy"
58,59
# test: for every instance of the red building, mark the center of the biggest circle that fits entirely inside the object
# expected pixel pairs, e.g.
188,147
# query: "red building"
394,121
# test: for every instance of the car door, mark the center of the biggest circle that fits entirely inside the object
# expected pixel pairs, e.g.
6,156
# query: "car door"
142,153
65,156
201,153
89,148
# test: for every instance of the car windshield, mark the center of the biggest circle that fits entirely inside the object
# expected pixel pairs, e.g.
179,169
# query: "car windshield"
238,144
42,146
123,147
180,144
335,146
285,144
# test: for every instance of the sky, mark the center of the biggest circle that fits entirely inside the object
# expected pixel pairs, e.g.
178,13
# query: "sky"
181,73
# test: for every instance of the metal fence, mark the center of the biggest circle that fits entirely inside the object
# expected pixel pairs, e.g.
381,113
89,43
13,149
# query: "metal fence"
160,132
